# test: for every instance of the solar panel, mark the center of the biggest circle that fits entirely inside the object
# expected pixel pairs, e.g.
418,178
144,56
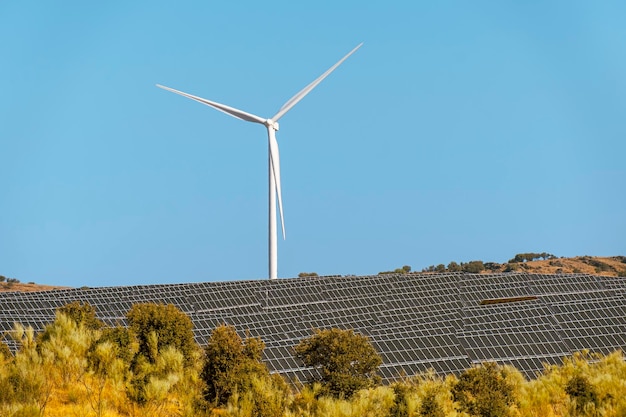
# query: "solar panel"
416,321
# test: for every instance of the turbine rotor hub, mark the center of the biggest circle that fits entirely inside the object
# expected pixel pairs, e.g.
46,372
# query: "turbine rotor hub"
270,123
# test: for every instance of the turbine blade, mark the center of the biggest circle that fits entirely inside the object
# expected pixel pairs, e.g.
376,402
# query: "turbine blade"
231,111
275,158
306,90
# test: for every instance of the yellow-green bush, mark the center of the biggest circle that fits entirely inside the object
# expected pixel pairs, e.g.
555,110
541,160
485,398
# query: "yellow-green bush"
71,369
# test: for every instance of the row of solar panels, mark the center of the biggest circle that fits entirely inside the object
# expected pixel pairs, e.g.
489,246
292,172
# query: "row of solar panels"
416,321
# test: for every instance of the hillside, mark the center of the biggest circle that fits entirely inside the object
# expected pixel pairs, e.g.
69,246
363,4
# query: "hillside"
545,263
20,286
595,265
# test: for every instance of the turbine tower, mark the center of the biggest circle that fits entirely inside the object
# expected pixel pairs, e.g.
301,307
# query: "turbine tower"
274,158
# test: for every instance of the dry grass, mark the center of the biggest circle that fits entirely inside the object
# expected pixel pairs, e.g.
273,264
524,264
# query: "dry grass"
594,265
21,287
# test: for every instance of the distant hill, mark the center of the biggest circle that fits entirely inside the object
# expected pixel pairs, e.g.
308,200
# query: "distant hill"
20,286
611,266
595,265
539,263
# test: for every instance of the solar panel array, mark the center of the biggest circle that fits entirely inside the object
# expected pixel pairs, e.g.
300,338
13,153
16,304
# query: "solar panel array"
446,322
590,314
523,334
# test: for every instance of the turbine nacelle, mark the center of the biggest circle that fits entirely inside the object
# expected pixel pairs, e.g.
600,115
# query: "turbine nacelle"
270,123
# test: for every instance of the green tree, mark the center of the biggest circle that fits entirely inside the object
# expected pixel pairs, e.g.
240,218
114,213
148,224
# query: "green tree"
347,361
531,256
404,270
454,267
485,391
157,326
165,368
83,314
124,341
231,364
473,267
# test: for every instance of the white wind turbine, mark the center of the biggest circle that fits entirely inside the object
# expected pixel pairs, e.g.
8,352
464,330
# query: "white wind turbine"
274,159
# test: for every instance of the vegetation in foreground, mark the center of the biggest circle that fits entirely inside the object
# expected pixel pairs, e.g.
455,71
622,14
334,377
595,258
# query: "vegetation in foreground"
79,367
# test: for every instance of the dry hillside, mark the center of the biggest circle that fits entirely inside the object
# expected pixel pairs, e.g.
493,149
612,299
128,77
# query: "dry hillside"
20,286
595,265
537,263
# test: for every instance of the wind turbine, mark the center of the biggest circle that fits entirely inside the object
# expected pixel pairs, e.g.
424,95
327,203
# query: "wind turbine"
274,159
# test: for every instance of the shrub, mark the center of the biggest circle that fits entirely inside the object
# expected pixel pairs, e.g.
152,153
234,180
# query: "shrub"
5,352
83,314
404,270
402,403
581,391
347,362
430,407
531,256
157,326
65,343
492,266
124,341
152,383
602,267
473,267
231,365
454,267
484,391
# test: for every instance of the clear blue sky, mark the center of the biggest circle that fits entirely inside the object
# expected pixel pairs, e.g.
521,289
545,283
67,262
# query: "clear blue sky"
459,131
